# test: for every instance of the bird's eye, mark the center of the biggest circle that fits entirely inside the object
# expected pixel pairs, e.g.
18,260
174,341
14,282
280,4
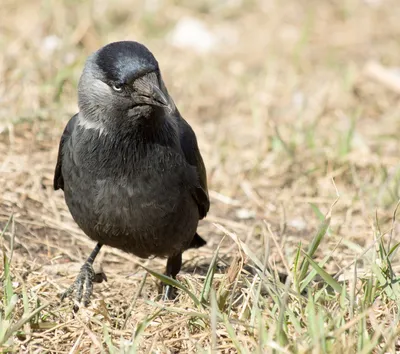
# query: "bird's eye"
117,87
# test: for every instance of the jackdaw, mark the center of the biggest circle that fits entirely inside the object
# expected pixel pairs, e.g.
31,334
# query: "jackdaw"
129,164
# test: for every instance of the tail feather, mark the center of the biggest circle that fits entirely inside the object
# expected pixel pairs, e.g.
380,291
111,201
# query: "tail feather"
197,241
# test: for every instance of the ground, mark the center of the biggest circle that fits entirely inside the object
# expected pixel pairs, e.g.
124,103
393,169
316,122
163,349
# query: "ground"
301,146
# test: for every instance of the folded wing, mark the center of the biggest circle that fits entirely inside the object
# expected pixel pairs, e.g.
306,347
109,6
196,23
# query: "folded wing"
58,177
193,157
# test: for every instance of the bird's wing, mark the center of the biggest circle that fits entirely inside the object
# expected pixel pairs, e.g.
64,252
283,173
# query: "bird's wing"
58,177
192,154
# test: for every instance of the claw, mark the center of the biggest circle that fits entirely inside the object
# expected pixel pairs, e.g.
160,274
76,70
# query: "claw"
170,293
83,286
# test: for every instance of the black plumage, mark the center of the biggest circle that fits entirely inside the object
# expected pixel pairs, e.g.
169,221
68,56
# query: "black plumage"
129,164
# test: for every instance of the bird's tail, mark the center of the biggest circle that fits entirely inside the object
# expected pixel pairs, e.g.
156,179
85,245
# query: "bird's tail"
197,241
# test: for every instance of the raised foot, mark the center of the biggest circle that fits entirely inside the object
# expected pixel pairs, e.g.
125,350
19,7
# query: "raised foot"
83,285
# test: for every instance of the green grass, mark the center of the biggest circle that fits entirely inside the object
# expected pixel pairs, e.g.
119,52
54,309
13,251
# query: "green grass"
304,314
16,321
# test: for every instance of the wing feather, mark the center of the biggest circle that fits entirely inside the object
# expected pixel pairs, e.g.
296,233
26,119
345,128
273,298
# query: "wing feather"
58,177
193,157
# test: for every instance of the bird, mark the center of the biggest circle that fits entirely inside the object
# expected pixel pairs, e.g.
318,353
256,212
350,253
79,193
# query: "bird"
129,164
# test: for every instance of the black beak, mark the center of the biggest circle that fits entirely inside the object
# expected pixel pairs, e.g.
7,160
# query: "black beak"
158,97
148,91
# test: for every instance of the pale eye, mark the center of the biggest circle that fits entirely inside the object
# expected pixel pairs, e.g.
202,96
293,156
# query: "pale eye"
117,88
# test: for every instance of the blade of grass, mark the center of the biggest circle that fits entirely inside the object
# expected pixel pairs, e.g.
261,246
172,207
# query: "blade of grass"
318,237
169,281
281,333
21,322
324,275
314,246
205,293
134,300
213,319
296,265
242,246
140,330
232,335
312,274
317,212
7,283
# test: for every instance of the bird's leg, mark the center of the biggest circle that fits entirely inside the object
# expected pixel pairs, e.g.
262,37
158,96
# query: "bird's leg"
85,278
174,265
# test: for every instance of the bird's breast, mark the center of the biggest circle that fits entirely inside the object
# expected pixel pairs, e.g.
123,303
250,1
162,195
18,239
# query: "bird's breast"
143,206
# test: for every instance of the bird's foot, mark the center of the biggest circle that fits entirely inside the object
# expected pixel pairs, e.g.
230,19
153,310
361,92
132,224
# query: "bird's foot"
174,264
83,285
169,292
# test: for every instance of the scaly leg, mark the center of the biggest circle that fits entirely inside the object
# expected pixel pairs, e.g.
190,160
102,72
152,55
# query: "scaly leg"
85,279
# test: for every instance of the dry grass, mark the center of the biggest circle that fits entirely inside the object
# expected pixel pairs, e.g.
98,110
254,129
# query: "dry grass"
281,108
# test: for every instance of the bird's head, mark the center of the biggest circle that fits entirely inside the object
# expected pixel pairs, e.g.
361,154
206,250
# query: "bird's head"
122,80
